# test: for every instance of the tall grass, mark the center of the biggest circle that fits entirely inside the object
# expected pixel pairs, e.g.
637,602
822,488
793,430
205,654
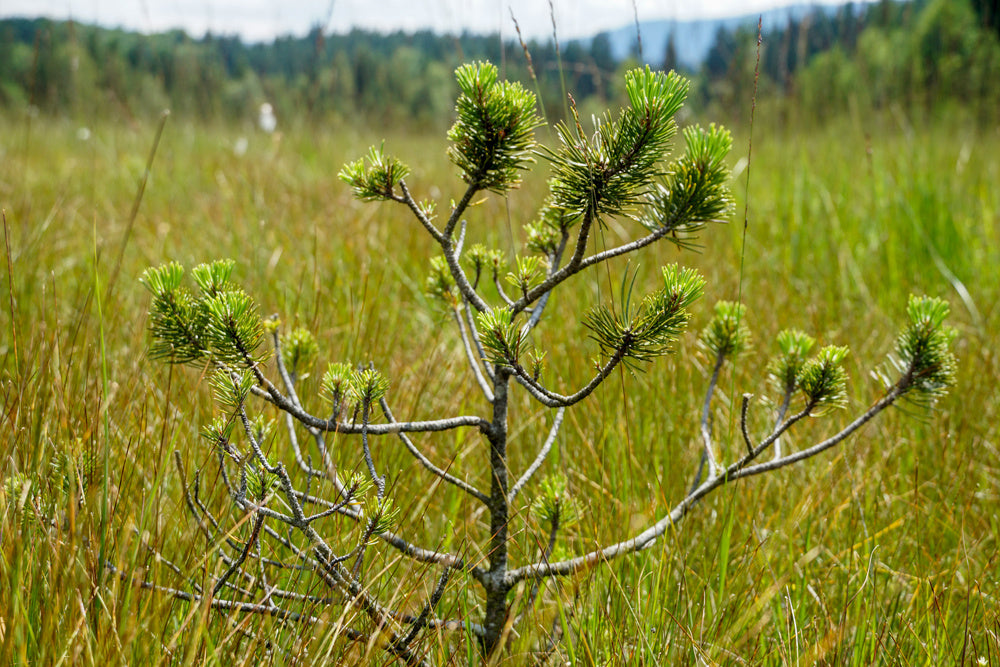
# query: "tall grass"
884,550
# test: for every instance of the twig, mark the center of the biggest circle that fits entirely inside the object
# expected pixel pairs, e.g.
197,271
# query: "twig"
500,290
228,605
349,428
426,463
378,481
573,267
407,199
543,453
554,260
743,422
733,472
638,31
474,363
553,400
782,411
254,534
470,322
420,621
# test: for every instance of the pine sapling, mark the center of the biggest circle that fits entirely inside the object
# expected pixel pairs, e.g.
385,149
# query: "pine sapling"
320,523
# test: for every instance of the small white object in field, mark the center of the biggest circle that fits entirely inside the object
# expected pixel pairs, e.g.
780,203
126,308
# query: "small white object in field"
83,134
241,146
266,119
740,165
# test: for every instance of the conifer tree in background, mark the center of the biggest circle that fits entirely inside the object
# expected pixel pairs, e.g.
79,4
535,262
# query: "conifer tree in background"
312,524
988,12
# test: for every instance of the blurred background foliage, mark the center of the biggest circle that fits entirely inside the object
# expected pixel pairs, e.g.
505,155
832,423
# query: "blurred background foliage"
923,55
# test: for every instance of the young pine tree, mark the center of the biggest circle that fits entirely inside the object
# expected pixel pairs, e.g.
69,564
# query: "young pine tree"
319,523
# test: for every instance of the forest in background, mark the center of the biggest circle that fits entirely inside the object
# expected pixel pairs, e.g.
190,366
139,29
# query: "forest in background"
924,54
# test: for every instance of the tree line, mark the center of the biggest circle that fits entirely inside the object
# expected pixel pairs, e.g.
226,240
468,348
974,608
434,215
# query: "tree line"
924,53
69,68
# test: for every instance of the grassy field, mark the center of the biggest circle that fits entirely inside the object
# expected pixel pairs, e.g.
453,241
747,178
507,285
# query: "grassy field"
883,551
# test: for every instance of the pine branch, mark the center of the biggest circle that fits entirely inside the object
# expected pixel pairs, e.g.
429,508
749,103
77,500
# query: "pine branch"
543,454
470,357
425,462
925,344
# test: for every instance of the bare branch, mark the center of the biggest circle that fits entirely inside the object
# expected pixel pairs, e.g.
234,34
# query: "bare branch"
407,199
426,463
460,207
293,440
735,471
279,362
543,453
743,422
474,363
708,453
378,481
554,260
258,522
254,445
348,428
421,620
553,400
262,609
747,471
227,605
287,380
470,322
782,411
500,290
575,265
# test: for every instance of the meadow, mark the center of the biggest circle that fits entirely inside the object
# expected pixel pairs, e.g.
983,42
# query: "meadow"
882,551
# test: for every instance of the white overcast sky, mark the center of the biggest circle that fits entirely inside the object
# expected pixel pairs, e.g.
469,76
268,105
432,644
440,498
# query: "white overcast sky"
257,20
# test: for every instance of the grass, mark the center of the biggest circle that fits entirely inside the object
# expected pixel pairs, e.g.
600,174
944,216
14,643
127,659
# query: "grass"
882,551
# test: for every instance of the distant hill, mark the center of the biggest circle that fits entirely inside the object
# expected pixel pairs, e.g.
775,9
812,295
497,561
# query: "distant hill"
693,39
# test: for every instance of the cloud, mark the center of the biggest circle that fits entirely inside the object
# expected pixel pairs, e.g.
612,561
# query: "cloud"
258,20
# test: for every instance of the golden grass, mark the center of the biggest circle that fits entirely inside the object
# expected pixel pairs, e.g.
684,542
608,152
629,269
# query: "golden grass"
883,551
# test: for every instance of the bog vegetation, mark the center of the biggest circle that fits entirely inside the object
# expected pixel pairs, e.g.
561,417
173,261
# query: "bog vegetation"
882,548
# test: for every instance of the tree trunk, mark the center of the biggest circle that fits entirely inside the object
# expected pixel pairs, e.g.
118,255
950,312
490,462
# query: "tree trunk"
495,584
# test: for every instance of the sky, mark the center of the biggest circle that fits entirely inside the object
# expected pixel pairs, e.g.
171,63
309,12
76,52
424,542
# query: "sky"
262,20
